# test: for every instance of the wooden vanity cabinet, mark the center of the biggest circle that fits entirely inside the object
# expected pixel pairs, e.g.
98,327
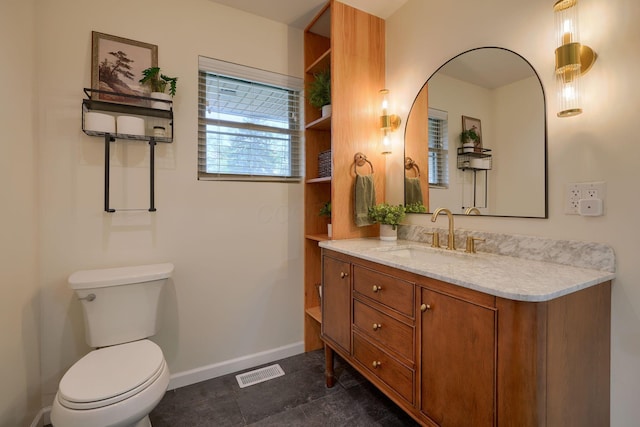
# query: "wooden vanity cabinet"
454,357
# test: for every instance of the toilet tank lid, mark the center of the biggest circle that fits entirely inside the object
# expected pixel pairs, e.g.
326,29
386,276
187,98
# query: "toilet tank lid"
87,279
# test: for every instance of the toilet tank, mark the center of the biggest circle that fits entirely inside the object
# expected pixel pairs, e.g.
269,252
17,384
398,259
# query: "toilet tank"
120,304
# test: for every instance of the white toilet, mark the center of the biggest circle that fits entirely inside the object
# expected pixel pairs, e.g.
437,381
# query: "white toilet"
124,379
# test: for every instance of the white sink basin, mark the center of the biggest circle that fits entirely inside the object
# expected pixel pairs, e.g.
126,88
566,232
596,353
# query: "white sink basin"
422,254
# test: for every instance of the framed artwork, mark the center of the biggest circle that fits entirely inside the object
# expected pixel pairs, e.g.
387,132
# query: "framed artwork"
469,123
117,65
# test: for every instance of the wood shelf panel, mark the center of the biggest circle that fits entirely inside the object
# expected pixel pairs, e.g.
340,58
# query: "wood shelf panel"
321,64
317,237
315,313
323,123
323,180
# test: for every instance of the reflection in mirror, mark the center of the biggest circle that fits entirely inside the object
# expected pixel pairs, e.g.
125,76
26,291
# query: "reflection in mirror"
505,172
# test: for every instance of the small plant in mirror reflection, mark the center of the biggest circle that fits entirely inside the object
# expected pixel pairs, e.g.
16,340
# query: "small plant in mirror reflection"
470,135
415,208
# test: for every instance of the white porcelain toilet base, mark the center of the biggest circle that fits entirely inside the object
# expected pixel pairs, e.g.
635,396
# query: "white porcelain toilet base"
132,412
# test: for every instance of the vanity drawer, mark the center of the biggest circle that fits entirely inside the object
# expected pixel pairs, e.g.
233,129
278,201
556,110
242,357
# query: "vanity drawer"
383,366
387,290
387,330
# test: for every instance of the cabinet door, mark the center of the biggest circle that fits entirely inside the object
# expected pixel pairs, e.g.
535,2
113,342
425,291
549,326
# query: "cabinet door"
336,302
458,355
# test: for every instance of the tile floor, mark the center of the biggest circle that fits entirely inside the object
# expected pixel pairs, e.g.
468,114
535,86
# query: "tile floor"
299,398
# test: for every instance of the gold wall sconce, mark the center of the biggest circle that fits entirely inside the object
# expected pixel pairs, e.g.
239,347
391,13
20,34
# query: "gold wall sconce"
572,58
388,122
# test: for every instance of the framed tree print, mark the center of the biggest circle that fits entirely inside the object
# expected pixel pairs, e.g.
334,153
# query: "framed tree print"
116,68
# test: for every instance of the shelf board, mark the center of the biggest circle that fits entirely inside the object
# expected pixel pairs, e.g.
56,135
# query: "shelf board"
317,237
323,123
315,313
321,64
324,179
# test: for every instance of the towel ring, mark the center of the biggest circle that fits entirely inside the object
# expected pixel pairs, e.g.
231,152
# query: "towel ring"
359,160
409,164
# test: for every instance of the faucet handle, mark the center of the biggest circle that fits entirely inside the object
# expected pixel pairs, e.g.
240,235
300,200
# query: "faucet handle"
471,244
435,239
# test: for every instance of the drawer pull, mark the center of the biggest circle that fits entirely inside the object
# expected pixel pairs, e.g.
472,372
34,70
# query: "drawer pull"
377,326
425,307
343,275
376,364
377,288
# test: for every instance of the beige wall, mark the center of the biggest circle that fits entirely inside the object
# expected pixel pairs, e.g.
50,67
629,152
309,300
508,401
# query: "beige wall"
600,144
237,286
20,397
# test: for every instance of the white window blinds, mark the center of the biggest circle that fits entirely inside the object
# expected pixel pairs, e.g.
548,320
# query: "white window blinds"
438,148
249,123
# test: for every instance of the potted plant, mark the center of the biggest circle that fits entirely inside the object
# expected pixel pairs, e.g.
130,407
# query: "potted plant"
469,139
415,208
388,216
325,211
158,83
320,92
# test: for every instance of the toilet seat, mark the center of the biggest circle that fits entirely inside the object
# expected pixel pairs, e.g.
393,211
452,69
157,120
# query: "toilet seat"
110,375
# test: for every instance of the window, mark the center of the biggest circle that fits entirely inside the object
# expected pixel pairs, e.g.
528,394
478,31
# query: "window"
249,124
438,148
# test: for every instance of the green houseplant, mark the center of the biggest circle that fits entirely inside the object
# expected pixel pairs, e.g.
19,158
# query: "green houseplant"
388,216
325,211
320,90
158,81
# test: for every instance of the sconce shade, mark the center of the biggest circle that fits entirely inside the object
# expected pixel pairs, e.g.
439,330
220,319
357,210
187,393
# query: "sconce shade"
388,122
572,58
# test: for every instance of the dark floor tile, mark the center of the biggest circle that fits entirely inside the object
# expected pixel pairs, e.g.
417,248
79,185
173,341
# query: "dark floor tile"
291,417
262,400
336,410
222,411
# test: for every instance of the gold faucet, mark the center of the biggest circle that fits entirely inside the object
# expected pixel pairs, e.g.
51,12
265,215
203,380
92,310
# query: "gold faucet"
451,242
471,210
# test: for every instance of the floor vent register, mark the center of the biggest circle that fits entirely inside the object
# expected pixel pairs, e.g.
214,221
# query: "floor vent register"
259,375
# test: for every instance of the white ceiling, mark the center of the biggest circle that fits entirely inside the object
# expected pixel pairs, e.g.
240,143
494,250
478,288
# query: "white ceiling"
298,13
489,68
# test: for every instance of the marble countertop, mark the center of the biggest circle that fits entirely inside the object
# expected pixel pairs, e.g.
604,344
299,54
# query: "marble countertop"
503,276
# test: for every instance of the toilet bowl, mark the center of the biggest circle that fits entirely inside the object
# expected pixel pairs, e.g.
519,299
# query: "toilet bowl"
112,387
119,383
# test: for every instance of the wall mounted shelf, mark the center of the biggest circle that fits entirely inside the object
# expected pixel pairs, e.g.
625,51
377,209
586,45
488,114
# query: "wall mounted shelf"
136,106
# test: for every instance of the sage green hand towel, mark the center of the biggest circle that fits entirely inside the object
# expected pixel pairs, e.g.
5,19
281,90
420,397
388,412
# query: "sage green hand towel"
365,197
412,191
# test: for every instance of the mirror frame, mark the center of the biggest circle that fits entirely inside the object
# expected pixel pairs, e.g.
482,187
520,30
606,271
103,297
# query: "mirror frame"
545,141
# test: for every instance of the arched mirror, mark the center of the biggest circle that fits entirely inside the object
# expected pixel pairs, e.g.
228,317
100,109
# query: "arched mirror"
496,96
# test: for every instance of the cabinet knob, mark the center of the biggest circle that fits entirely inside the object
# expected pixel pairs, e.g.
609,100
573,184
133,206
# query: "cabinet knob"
377,326
425,307
343,274
377,288
376,364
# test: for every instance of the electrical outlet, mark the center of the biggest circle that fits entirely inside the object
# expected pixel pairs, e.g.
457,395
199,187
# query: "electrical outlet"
573,196
582,191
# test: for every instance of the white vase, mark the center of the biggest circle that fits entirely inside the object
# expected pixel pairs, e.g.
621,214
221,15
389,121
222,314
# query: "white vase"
387,232
329,230
468,147
161,105
326,110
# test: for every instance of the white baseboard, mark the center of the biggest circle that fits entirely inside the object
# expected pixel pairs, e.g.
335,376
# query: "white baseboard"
204,373
42,418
